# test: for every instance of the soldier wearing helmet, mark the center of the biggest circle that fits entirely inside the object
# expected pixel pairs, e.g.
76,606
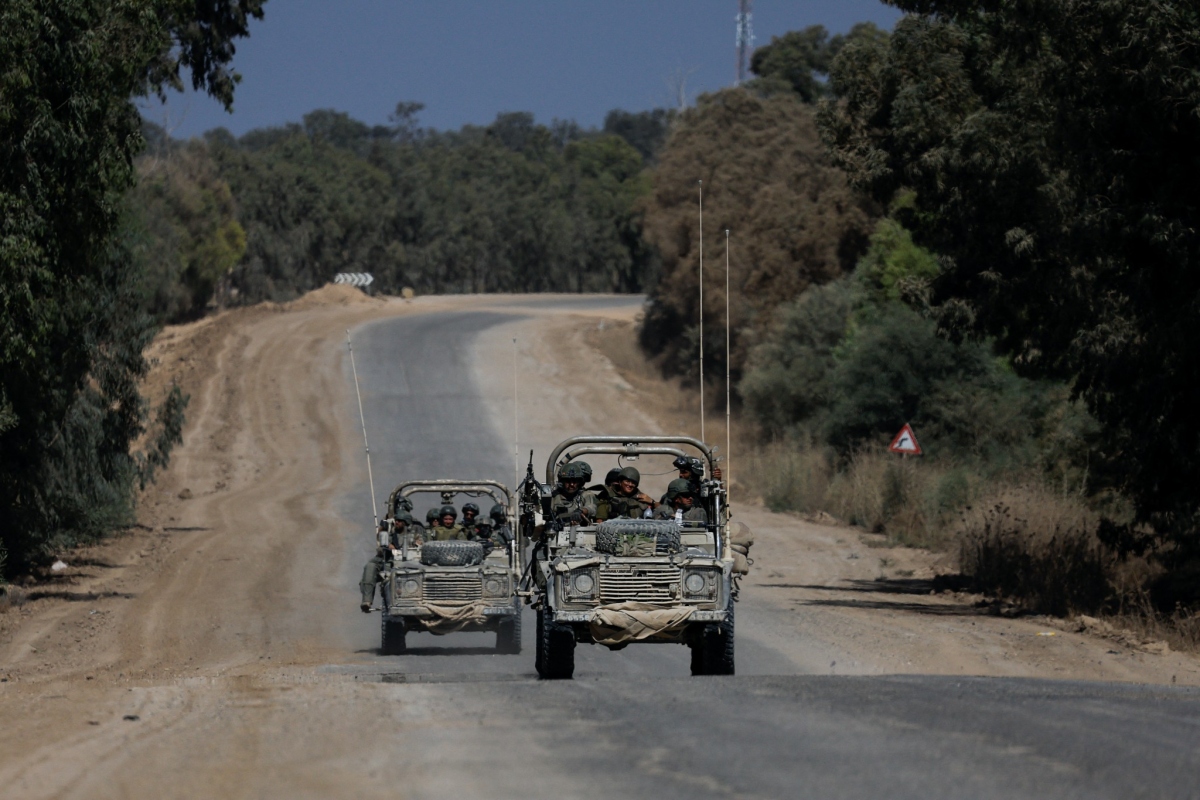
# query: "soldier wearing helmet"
628,501
605,493
570,502
448,529
500,532
681,503
403,532
470,517
432,519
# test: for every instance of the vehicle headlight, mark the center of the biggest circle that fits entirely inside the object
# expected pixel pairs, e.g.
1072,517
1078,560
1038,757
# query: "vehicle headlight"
409,587
584,583
493,586
700,585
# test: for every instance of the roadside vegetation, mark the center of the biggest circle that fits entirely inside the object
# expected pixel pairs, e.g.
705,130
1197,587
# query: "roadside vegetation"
953,225
1013,282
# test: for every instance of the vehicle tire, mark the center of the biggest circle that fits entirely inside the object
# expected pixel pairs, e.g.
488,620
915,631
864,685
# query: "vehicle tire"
508,634
556,649
392,639
452,553
713,651
664,532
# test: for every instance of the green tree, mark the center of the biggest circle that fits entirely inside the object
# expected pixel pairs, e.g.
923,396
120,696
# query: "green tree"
1051,149
799,61
793,219
72,331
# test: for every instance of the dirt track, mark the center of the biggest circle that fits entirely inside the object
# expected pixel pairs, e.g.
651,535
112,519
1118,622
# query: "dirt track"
220,624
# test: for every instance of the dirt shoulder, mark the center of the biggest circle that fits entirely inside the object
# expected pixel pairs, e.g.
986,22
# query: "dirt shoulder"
840,600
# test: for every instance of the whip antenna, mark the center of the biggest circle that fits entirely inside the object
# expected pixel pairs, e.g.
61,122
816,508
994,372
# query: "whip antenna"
701,183
516,419
728,436
362,418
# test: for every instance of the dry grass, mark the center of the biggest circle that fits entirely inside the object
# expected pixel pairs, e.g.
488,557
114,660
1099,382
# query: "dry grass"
1032,545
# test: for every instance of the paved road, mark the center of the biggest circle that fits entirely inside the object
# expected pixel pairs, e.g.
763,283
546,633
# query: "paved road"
634,724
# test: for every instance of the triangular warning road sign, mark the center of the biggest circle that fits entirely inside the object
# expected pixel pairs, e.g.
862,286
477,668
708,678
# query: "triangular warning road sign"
905,442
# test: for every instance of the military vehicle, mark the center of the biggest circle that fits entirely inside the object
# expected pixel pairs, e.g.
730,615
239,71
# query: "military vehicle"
627,581
448,586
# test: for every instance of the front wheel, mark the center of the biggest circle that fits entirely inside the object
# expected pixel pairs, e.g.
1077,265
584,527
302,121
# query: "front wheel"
556,649
712,651
392,636
508,632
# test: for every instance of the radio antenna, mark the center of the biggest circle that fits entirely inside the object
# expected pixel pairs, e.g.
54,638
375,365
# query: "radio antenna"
701,183
362,418
516,419
728,435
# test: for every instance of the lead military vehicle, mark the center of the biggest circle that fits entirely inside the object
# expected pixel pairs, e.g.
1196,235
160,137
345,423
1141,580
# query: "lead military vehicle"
630,581
448,586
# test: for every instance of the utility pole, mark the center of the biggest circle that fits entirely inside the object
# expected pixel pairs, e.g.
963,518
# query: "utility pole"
745,39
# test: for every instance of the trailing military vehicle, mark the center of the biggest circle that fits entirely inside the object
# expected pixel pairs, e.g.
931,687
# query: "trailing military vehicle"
454,585
631,581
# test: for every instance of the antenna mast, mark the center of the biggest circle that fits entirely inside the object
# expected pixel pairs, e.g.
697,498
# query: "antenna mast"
701,183
728,435
362,418
744,42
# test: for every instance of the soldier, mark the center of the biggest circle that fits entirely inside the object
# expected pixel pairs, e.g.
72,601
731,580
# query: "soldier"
470,518
448,529
605,493
571,503
681,498
432,520
692,471
628,501
499,519
400,533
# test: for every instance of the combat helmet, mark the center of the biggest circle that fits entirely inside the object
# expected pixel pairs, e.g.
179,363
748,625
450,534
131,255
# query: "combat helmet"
677,487
575,471
631,474
432,516
448,511
470,507
498,513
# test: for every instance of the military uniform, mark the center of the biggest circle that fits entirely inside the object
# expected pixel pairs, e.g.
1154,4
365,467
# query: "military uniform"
693,514
441,533
633,506
563,508
412,536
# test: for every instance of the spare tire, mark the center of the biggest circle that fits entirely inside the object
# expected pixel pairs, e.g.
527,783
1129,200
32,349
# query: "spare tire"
452,553
645,536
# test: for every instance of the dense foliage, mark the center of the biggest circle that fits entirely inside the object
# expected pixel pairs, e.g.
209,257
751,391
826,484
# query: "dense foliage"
72,329
1051,149
513,206
793,218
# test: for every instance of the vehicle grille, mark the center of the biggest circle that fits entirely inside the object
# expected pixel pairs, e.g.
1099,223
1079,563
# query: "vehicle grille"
453,586
641,584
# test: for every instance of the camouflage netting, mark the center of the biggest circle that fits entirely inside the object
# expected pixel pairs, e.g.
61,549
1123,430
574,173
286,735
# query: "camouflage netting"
637,537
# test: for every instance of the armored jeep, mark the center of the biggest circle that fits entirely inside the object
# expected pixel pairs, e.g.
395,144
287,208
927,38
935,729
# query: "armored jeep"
624,581
448,586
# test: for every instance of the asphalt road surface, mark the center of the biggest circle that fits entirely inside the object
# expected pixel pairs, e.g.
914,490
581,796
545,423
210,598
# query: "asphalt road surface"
634,724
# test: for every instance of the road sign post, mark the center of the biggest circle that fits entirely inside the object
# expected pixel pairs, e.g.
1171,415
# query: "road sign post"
905,443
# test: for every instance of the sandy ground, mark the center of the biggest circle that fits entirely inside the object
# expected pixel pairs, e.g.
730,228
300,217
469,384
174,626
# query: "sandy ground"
168,643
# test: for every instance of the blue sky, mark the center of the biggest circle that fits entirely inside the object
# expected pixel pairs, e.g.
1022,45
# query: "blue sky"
468,60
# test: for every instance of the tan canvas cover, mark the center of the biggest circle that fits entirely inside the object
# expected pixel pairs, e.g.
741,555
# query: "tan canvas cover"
448,619
630,622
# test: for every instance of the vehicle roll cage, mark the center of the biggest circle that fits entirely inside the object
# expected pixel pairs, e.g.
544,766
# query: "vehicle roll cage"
494,489
632,445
